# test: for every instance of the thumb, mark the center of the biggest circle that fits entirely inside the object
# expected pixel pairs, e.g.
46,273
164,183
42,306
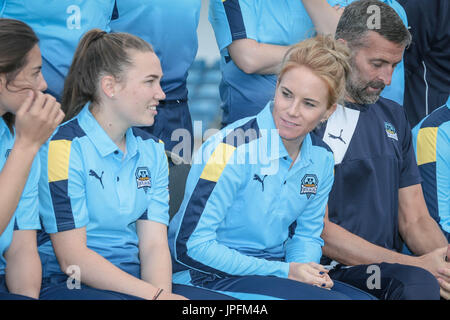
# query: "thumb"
442,252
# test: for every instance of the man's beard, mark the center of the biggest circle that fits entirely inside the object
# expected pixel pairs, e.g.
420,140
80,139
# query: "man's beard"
357,88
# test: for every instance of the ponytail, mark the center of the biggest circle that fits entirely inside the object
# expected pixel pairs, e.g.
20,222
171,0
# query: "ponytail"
98,53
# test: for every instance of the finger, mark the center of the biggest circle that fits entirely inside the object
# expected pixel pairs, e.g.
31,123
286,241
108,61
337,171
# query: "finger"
54,112
319,267
59,118
445,289
49,104
444,284
321,281
329,282
444,273
38,103
26,104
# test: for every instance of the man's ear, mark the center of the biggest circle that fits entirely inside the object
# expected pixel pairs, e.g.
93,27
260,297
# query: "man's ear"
108,85
342,41
2,82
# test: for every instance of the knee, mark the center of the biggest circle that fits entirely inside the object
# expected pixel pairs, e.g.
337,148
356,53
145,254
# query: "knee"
414,283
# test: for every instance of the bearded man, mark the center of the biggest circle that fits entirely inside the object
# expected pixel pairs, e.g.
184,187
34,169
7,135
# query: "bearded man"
376,204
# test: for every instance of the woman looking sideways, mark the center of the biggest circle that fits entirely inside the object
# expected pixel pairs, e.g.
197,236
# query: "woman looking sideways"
250,226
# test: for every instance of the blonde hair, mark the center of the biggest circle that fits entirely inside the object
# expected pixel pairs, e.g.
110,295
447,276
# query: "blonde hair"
325,57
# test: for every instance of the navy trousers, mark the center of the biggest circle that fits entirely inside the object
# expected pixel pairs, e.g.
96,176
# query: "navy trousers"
56,288
274,288
396,281
4,292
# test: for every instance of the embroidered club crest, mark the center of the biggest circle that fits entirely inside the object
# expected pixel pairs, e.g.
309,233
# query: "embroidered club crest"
390,131
309,185
143,178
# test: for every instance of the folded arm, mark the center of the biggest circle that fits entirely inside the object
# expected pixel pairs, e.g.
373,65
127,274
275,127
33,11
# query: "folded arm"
23,269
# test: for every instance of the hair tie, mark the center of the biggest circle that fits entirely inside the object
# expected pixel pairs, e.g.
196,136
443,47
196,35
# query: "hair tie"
99,35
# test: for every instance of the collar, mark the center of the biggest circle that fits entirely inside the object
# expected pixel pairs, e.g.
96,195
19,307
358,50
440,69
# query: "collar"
271,139
102,142
3,126
357,106
4,130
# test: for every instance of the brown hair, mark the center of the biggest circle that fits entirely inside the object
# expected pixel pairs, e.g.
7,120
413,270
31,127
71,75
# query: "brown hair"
98,53
353,26
325,57
16,41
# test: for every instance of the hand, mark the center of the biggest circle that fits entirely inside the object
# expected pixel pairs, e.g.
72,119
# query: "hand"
36,119
447,258
444,277
170,296
311,273
444,283
435,263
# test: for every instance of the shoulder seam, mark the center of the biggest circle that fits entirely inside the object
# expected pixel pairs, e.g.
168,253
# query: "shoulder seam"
144,135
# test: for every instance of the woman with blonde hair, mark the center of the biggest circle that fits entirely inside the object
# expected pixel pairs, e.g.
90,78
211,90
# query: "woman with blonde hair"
249,226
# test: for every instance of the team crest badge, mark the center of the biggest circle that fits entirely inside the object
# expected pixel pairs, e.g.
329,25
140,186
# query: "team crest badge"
309,185
390,131
143,178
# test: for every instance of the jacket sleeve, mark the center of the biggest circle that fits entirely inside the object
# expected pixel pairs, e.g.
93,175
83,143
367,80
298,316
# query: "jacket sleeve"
211,190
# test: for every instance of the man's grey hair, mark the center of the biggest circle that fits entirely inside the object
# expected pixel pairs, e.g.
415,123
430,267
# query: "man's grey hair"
357,20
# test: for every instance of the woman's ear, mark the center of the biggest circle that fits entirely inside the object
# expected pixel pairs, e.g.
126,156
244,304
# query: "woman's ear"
108,85
329,112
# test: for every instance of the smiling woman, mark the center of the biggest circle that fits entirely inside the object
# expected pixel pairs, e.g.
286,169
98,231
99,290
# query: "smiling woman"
104,187
311,81
254,233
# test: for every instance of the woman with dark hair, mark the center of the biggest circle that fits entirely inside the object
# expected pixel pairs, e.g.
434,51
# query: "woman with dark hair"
105,194
27,119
